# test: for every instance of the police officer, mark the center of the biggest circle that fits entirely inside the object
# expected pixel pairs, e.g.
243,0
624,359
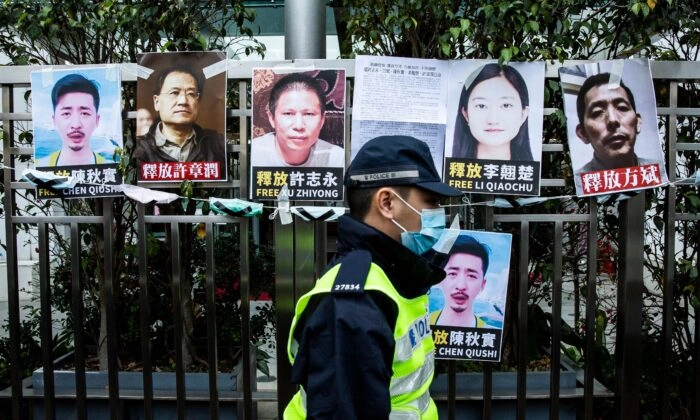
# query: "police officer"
360,343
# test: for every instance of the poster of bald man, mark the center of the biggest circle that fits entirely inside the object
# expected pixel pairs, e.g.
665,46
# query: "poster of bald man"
612,129
185,95
76,116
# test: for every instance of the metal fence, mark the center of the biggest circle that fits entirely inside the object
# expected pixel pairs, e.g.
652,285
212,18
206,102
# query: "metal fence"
301,252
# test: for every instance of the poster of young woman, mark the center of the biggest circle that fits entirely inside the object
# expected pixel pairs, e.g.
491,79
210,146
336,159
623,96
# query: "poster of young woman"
611,119
185,95
493,142
467,308
298,134
76,114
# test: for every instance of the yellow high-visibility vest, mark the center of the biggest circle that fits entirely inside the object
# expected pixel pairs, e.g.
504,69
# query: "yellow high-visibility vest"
414,353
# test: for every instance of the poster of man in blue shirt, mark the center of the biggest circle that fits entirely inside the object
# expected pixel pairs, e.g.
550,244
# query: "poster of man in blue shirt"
77,122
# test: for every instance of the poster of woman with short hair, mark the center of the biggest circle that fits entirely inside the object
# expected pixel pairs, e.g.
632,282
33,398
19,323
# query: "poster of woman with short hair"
298,134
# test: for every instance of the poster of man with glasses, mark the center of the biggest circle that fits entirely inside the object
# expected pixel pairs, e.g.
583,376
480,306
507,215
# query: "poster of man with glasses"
186,93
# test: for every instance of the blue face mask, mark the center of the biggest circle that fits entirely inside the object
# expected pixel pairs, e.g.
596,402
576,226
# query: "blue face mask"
432,226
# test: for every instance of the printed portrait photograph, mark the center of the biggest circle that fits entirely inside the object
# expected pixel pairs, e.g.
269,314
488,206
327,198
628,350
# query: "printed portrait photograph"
181,117
473,293
611,117
76,116
298,118
495,112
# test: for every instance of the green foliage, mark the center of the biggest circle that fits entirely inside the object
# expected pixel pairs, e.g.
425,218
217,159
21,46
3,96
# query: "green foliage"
676,25
227,291
682,304
110,31
227,287
30,345
560,30
509,30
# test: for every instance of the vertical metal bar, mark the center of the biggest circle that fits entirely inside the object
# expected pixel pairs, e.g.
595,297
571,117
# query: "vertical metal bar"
669,256
77,307
696,354
451,376
591,307
110,306
620,342
305,264
556,322
487,412
243,172
668,297
45,323
630,306
321,246
16,368
522,318
145,314
304,29
305,37
244,227
176,288
284,292
488,371
245,321
348,119
451,389
212,342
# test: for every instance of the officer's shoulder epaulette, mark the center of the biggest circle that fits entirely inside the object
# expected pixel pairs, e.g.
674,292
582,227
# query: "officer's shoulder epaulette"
353,272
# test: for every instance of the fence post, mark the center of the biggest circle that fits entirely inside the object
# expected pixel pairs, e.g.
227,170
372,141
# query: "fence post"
304,29
8,200
284,293
305,37
629,307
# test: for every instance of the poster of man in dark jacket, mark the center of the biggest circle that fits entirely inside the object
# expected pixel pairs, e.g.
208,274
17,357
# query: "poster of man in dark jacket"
186,92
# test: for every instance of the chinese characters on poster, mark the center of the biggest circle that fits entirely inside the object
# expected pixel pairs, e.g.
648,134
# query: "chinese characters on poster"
77,121
181,98
468,307
494,134
298,134
400,96
611,119
482,122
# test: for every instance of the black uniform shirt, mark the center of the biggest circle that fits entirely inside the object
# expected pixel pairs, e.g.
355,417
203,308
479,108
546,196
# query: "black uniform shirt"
346,341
